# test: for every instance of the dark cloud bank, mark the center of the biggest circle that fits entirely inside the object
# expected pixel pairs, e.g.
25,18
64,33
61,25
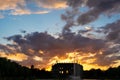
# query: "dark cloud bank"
69,41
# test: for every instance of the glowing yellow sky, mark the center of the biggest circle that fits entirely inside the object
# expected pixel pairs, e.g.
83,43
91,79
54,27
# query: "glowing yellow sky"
75,57
44,42
68,58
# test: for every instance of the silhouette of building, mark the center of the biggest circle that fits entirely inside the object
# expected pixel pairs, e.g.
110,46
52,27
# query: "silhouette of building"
65,70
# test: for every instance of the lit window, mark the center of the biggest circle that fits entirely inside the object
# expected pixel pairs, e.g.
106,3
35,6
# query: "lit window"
67,71
62,72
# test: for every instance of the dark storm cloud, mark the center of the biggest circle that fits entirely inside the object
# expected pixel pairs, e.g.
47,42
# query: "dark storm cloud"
16,38
69,18
69,41
57,46
74,17
107,58
102,60
75,3
97,7
100,7
112,53
51,46
113,31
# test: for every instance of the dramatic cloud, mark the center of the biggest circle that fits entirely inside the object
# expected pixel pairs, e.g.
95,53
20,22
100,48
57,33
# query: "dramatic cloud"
51,4
113,31
76,3
6,49
8,4
75,17
14,6
106,60
15,57
99,7
20,7
43,41
96,8
42,49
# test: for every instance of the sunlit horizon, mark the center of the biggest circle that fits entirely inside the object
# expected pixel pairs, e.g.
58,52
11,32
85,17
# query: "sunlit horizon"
44,32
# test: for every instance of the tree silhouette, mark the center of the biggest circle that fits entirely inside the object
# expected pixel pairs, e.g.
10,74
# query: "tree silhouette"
10,70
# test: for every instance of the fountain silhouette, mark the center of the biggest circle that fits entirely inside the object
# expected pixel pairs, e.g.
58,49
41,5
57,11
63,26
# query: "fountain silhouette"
75,76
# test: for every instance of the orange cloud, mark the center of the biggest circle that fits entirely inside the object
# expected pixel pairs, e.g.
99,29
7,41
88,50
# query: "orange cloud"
10,4
27,12
15,57
37,58
83,59
89,52
19,7
52,4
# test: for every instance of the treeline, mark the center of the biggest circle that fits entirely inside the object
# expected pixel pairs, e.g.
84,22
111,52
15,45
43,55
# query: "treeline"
111,73
10,70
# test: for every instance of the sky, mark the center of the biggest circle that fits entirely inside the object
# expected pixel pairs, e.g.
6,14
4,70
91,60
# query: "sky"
43,32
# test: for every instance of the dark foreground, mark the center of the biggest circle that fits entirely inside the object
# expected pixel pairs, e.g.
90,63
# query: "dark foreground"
22,78
10,70
80,79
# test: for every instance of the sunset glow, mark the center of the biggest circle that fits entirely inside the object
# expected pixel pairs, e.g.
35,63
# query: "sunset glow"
15,57
45,32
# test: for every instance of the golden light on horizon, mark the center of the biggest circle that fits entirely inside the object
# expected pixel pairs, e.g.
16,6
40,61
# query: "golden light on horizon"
84,59
31,51
41,52
37,58
15,57
95,66
117,63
